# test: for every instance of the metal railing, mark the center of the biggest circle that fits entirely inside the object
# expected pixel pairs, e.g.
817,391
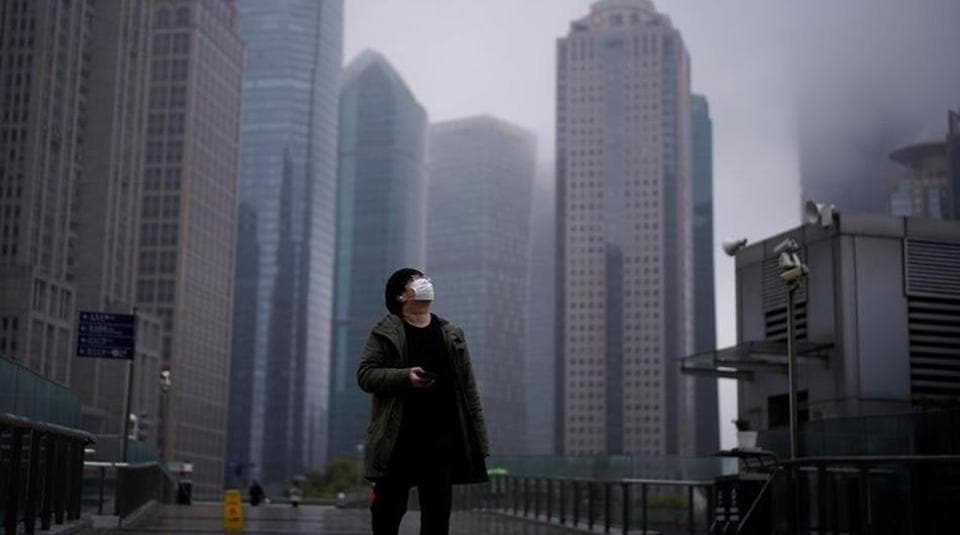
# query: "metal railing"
41,473
122,488
857,495
622,505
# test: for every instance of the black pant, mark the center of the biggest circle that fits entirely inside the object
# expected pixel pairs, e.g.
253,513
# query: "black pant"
390,503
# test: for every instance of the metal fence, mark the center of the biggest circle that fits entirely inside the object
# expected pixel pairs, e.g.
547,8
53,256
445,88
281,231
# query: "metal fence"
122,488
910,494
622,505
41,472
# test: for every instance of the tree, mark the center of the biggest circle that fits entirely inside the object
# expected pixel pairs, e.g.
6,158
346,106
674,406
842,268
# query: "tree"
339,475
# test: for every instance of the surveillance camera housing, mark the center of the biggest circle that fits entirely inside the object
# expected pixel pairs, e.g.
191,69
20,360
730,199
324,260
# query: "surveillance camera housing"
794,274
816,213
788,245
732,247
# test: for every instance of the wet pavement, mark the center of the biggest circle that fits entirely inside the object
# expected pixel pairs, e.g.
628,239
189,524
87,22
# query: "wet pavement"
322,520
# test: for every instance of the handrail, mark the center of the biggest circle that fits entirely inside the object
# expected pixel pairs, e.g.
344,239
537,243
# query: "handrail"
516,494
872,459
19,421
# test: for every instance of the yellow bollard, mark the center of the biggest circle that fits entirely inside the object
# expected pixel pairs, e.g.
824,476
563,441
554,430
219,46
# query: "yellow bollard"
232,510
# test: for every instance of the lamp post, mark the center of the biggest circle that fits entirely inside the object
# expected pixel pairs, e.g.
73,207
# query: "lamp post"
792,271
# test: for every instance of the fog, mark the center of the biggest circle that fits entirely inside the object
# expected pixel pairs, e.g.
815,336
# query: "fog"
814,88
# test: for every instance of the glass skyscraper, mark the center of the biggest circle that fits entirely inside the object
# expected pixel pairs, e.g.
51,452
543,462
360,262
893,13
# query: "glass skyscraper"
707,429
481,179
540,358
381,223
280,368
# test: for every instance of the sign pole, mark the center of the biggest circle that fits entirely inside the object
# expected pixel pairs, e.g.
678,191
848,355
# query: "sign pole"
129,401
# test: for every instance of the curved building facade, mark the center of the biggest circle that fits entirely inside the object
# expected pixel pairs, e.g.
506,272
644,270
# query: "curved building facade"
381,223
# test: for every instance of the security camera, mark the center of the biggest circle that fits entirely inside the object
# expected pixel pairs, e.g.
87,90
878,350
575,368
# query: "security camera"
788,245
732,247
165,382
794,274
819,213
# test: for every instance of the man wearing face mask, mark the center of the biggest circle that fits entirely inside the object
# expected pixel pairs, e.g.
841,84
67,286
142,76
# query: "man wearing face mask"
426,422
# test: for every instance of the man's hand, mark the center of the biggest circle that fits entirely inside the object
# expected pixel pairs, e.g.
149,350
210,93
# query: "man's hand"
417,378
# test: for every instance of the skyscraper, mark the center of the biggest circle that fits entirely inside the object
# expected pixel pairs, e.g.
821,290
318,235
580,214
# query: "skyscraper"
923,186
481,179
284,287
189,218
706,430
381,223
540,355
41,111
107,214
624,232
953,158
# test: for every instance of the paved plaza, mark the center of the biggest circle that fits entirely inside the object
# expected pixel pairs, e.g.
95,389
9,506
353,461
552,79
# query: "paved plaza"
320,520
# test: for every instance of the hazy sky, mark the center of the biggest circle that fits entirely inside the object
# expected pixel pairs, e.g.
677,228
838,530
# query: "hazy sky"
845,67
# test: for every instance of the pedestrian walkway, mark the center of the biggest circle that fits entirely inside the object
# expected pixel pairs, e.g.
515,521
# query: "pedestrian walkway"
320,520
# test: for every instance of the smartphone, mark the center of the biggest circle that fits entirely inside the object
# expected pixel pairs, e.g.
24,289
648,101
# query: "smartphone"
429,377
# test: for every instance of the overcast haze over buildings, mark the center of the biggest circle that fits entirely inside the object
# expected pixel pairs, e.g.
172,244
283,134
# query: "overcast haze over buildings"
861,74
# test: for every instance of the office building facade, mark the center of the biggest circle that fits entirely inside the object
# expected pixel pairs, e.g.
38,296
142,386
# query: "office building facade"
482,171
624,233
46,85
706,432
285,257
381,223
540,356
188,223
107,216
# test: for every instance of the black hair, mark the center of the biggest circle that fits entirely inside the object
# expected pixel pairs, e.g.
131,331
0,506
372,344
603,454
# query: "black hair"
396,284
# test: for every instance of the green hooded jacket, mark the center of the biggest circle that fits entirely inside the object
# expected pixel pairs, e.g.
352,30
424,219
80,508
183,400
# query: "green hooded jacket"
385,372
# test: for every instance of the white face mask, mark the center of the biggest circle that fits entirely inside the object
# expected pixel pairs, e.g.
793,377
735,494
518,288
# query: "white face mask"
422,289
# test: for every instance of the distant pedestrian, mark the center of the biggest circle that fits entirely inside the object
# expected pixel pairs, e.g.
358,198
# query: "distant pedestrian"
295,494
256,493
426,421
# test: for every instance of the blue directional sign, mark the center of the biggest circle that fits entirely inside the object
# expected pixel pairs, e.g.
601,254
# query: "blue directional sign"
106,336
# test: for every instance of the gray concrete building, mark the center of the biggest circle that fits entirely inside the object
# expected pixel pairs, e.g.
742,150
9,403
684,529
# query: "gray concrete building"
624,233
381,224
107,213
478,237
540,361
706,431
280,371
876,324
189,222
44,89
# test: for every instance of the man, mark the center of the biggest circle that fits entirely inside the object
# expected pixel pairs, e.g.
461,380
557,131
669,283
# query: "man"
426,422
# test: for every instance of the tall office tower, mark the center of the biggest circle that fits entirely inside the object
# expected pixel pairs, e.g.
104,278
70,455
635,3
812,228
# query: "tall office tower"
624,232
44,92
540,362
953,158
188,224
706,431
481,180
280,373
107,210
923,186
381,223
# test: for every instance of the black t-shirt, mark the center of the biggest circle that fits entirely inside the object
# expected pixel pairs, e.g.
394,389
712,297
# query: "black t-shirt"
429,425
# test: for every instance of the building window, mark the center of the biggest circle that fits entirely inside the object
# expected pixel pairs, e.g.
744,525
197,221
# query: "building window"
183,16
161,19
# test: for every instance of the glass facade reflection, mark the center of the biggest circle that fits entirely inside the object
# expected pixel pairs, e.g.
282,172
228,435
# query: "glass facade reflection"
481,180
381,223
288,184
